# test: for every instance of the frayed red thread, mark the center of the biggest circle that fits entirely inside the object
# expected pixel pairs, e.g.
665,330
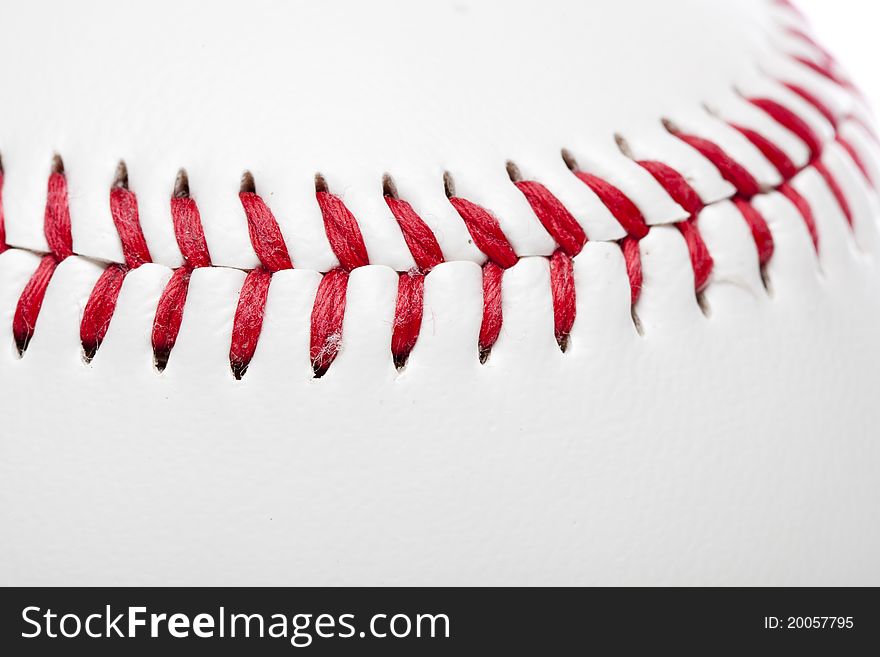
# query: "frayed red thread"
56,219
99,309
264,233
124,210
686,196
407,315
418,236
31,300
342,232
761,234
56,228
189,232
169,316
486,232
490,328
554,216
619,204
248,322
633,259
327,315
731,170
563,291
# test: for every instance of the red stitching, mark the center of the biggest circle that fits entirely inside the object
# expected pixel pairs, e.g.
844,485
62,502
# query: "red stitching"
31,300
487,233
248,321
554,216
344,236
327,316
732,171
169,315
407,315
564,294
686,196
624,210
124,210
264,233
100,308
490,327
419,238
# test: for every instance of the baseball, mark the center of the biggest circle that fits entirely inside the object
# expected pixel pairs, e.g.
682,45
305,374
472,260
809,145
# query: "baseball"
468,292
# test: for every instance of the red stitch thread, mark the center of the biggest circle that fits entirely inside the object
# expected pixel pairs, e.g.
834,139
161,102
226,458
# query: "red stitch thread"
813,100
686,196
99,309
194,248
407,315
787,170
264,232
169,316
486,232
490,328
327,316
826,71
56,228
775,155
56,220
124,209
30,302
803,207
564,296
248,322
555,218
342,232
855,157
792,122
189,232
833,185
760,230
731,170
624,210
419,238
633,259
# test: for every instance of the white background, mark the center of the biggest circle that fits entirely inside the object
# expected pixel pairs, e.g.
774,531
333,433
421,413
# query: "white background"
849,28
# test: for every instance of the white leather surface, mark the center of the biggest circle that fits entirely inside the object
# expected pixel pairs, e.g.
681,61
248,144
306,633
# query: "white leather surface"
738,446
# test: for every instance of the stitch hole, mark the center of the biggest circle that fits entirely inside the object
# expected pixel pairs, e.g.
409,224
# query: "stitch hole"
389,188
640,329
448,184
569,160
703,303
181,185
670,126
623,145
765,279
247,183
321,183
513,172
57,164
120,180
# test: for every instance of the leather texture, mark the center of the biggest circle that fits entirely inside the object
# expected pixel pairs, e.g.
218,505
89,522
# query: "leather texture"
733,443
